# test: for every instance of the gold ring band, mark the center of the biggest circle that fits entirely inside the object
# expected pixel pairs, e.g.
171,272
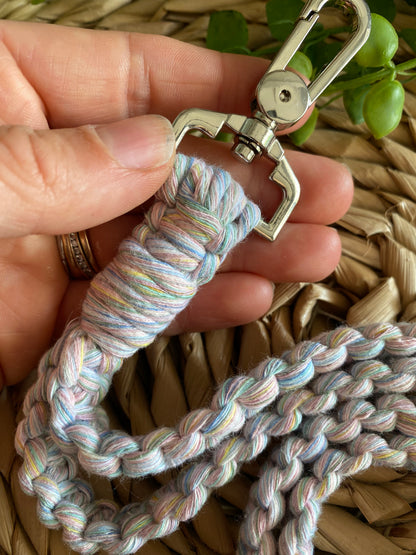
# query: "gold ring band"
76,255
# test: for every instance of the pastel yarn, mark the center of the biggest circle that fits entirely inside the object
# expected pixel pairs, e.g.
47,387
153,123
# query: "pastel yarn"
331,407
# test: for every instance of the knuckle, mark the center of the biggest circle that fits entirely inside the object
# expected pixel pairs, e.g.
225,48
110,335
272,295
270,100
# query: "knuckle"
28,175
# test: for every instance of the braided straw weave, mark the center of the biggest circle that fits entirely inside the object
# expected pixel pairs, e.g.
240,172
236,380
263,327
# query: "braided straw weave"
365,372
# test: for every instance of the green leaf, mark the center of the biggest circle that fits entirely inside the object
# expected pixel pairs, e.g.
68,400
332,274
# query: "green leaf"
224,137
227,31
321,53
317,34
354,70
303,133
239,50
386,8
281,15
409,35
302,64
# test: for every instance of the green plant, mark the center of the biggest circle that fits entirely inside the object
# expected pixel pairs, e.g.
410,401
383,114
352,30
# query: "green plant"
370,85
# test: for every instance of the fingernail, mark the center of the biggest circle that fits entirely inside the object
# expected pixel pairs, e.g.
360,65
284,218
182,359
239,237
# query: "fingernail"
139,143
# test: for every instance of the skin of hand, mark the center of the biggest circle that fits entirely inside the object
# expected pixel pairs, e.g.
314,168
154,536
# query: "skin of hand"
78,150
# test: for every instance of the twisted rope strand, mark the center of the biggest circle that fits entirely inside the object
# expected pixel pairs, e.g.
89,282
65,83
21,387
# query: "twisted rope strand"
183,498
328,401
234,403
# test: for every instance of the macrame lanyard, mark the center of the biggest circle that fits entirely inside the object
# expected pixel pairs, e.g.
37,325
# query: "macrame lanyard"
337,404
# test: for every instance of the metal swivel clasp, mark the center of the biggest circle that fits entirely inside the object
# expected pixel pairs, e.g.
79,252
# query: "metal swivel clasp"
282,98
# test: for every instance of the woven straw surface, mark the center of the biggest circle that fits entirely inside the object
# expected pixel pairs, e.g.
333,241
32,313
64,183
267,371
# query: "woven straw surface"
375,281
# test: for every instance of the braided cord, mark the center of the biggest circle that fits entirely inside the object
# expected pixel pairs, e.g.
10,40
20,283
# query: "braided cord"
335,405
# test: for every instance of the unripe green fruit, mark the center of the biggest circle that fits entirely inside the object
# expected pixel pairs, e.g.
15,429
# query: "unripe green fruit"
381,45
383,107
302,64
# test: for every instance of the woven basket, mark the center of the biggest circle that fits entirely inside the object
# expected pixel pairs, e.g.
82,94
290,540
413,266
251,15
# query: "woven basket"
374,281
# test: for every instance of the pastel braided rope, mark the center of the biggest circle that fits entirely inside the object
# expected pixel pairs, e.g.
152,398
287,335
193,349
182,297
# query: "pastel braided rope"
361,375
197,217
348,418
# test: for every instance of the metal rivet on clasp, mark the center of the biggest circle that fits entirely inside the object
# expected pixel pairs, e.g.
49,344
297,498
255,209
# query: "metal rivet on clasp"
282,98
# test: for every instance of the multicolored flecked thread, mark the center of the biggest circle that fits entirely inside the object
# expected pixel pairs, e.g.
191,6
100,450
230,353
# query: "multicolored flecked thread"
330,407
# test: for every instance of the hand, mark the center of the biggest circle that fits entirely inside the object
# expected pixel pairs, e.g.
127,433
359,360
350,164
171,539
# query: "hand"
76,152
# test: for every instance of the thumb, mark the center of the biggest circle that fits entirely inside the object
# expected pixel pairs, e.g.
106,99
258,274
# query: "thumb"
57,181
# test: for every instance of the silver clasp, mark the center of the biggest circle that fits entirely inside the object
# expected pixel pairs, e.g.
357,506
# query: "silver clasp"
282,98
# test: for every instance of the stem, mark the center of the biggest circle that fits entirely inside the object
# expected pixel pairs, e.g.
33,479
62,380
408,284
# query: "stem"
410,78
404,66
357,81
370,78
326,33
332,99
410,74
264,51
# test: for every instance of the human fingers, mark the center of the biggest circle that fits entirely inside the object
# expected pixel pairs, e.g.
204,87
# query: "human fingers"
301,252
326,186
306,253
229,300
57,181
233,298
326,192
84,76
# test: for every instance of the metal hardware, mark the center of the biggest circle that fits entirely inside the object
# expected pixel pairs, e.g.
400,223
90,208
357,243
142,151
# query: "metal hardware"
282,98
